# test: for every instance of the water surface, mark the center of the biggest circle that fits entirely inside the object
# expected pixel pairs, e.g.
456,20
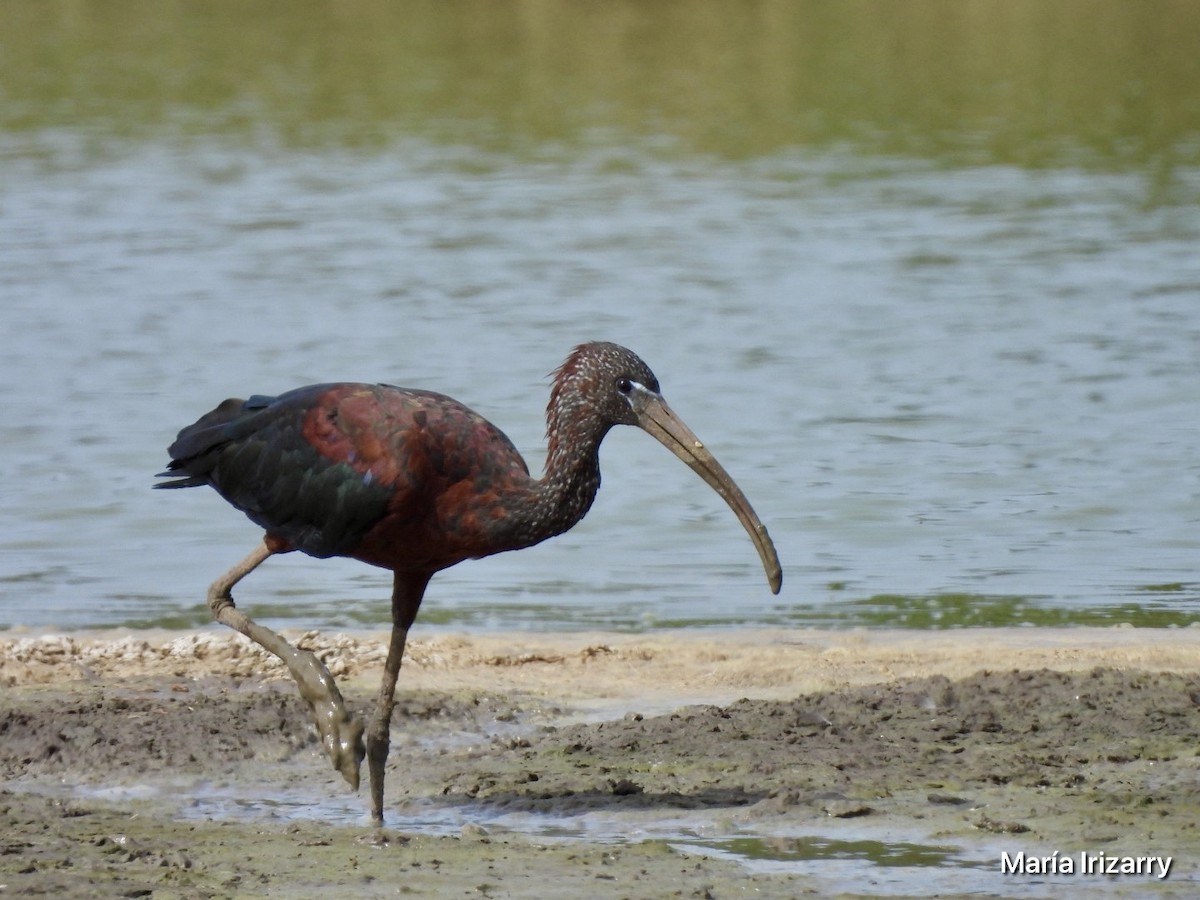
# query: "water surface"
924,279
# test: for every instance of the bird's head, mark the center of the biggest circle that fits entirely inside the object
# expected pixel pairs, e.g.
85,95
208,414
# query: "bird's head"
607,384
602,382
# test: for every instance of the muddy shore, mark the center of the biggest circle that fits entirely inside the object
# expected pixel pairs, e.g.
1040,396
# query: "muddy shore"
710,764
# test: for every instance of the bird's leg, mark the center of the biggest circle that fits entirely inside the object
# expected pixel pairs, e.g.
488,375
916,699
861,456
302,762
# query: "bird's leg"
406,600
341,730
378,733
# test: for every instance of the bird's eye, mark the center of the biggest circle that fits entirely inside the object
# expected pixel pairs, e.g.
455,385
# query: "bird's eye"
624,385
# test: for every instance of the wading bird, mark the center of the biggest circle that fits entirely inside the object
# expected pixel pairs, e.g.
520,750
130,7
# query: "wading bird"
415,482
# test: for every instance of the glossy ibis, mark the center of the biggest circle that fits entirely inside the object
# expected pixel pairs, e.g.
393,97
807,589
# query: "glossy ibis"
414,482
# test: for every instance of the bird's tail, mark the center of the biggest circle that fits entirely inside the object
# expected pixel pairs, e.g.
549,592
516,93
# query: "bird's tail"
181,480
200,438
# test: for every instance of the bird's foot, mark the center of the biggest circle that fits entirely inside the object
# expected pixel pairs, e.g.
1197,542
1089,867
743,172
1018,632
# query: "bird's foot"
341,730
378,838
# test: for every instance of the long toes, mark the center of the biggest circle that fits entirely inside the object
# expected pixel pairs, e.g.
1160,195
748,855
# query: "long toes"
341,730
342,735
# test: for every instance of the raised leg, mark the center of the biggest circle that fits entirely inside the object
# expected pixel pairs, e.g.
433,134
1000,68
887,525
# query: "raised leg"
341,731
406,600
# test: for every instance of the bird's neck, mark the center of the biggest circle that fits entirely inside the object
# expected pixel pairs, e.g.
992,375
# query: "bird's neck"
564,493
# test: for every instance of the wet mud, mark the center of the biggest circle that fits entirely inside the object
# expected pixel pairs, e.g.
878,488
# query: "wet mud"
104,766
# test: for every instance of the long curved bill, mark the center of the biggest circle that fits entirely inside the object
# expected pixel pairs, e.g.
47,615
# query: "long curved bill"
655,417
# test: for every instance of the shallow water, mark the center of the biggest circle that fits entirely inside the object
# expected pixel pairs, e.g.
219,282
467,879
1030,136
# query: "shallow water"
952,361
841,857
849,856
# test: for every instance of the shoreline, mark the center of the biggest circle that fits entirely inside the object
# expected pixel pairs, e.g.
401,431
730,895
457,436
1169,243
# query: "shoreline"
735,763
711,665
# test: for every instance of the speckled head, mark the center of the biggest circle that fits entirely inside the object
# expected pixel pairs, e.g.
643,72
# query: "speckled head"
602,384
595,381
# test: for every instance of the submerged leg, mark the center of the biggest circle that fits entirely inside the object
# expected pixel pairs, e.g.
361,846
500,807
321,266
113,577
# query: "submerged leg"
341,730
407,592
